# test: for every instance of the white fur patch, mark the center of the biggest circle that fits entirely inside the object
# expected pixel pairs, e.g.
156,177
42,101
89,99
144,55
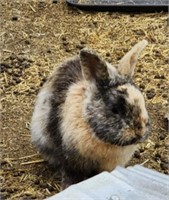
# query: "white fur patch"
40,116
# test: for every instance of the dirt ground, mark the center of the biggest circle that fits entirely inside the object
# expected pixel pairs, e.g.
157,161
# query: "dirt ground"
35,36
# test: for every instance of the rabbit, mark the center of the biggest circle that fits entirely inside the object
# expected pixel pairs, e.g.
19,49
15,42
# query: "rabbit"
89,115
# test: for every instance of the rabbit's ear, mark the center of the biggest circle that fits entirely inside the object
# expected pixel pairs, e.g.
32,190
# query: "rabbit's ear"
128,62
93,67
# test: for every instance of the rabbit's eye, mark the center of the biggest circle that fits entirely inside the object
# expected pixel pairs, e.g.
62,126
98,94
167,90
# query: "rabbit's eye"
115,110
119,107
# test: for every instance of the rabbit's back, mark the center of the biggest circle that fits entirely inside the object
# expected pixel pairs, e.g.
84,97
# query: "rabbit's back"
46,116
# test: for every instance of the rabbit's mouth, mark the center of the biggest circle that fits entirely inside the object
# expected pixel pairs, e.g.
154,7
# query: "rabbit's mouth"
131,136
135,133
131,141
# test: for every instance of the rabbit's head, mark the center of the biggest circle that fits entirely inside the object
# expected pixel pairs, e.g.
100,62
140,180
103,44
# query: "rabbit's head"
113,106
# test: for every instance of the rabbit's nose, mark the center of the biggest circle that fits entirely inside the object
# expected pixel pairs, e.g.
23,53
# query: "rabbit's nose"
148,128
148,125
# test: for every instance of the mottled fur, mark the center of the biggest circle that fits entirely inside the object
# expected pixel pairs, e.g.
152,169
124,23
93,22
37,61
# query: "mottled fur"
89,116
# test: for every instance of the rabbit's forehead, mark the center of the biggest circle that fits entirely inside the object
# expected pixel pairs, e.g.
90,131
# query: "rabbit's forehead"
135,98
133,93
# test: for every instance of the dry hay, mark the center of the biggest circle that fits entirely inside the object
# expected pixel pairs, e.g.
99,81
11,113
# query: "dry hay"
36,36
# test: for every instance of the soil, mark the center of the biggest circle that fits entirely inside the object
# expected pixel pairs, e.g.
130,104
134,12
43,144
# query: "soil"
36,35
